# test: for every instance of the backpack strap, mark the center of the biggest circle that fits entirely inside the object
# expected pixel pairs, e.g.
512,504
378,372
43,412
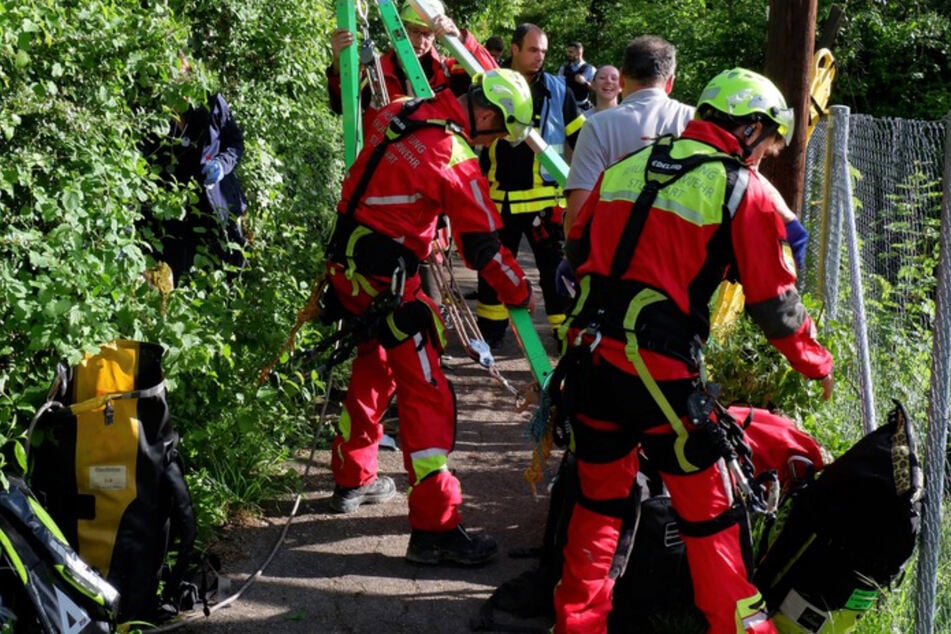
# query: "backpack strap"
662,170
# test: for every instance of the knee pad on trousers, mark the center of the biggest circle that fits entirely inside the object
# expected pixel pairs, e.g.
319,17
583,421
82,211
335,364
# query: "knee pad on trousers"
625,509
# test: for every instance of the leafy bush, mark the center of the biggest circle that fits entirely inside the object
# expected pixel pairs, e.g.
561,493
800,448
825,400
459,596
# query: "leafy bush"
83,85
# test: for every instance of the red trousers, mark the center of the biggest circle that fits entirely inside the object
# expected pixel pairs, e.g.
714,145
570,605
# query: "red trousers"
608,429
427,416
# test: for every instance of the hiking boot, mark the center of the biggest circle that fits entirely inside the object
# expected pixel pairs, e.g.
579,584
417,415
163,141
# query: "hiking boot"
455,546
349,499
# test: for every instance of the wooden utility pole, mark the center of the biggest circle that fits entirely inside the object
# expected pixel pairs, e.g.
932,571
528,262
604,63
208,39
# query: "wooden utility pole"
790,42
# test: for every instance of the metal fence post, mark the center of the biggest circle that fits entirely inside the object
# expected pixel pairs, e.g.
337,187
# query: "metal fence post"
845,210
938,414
830,234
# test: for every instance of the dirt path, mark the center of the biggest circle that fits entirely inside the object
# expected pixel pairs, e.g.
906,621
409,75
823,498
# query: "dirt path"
346,573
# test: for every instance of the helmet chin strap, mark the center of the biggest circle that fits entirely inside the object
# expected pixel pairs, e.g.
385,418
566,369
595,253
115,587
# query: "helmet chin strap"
473,130
768,130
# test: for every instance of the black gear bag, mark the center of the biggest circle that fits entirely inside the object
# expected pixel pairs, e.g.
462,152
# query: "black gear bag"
848,534
44,585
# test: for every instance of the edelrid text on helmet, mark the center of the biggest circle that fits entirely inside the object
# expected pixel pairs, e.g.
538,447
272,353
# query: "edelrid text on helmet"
409,15
508,91
741,93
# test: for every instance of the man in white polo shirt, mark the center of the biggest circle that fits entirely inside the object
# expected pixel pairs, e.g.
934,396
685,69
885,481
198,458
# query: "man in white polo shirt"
647,112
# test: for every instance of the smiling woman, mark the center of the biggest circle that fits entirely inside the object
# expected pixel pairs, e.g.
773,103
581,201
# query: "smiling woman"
606,87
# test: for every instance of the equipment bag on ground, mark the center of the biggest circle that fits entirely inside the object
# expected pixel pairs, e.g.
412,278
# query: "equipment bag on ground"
848,534
103,461
44,585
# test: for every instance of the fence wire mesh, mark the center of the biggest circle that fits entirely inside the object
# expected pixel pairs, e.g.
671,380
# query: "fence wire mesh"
899,171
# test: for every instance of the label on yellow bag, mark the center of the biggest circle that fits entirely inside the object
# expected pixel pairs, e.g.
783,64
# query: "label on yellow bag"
108,477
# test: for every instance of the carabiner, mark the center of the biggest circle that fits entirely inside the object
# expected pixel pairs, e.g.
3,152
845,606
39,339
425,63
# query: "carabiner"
593,333
360,8
398,280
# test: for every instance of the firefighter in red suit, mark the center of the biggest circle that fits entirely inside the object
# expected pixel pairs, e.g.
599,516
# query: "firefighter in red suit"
665,226
442,73
418,163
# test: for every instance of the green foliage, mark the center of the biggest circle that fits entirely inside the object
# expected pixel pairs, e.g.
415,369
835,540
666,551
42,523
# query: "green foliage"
892,57
751,371
83,84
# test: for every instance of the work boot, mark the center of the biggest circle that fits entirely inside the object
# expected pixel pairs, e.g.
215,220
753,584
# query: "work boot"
455,546
349,499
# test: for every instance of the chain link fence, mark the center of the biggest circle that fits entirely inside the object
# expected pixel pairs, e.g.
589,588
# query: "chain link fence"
876,191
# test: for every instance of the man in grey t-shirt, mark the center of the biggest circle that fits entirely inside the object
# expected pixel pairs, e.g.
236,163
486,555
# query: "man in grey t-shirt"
647,77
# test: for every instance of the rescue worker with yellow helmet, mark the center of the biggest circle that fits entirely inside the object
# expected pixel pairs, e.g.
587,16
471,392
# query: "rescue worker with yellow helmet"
661,230
443,73
384,229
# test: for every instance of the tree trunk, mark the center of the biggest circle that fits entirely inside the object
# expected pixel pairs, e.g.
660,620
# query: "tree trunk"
790,42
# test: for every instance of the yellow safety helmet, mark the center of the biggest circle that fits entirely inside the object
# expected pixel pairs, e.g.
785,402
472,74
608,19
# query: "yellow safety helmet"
743,94
409,15
508,91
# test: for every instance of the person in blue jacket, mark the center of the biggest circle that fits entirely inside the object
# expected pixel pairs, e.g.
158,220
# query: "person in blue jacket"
202,149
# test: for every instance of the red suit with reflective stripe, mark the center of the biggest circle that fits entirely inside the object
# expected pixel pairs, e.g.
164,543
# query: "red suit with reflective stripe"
420,174
716,221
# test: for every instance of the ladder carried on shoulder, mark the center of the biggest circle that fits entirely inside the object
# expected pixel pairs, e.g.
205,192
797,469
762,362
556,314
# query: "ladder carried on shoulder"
350,61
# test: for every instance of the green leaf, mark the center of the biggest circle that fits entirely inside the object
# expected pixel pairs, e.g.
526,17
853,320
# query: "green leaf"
20,454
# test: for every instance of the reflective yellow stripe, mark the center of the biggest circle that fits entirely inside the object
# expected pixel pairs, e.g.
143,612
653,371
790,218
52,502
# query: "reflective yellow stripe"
47,520
574,126
749,612
643,299
13,557
440,328
359,280
539,192
524,201
343,424
429,461
495,312
397,333
358,233
461,152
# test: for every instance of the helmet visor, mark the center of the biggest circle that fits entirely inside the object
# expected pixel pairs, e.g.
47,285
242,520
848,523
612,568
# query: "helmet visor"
785,119
518,131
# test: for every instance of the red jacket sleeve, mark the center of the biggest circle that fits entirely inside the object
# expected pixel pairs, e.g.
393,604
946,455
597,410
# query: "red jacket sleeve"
475,222
768,273
478,51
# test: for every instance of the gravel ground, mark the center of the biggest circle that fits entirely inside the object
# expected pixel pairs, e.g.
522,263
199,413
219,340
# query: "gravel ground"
346,573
